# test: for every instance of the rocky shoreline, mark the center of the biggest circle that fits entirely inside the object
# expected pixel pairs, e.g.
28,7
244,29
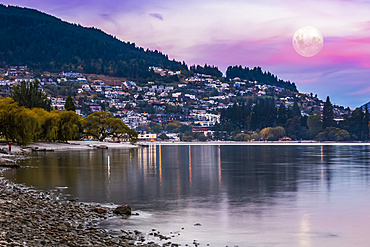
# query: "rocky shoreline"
41,218
30,217
34,218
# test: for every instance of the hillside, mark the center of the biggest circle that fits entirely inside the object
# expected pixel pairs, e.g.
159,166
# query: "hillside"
43,42
256,74
46,43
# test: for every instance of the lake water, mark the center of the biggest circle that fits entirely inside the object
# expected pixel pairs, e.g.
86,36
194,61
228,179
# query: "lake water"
241,195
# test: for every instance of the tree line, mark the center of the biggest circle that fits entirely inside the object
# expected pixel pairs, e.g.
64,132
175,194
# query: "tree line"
23,125
256,74
207,70
253,115
261,119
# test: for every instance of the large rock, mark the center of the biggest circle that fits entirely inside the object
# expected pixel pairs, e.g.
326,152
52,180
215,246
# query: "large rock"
123,210
100,210
103,147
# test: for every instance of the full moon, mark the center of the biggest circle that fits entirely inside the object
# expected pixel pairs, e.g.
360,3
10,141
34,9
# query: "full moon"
307,41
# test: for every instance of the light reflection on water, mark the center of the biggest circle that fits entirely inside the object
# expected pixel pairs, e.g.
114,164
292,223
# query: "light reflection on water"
241,195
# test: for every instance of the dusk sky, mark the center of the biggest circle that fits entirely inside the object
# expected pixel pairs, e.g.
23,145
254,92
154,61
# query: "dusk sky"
240,32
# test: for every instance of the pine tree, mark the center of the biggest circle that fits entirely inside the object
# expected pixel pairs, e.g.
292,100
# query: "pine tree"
356,123
327,114
281,115
314,125
295,128
296,110
31,96
69,105
365,129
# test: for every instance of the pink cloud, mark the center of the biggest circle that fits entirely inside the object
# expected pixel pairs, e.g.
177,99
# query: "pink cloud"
308,81
351,50
364,91
338,52
230,52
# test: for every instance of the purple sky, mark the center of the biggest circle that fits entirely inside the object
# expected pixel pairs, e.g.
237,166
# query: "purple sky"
241,32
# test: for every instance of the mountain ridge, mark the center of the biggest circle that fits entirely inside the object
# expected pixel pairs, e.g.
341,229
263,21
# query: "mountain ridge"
40,40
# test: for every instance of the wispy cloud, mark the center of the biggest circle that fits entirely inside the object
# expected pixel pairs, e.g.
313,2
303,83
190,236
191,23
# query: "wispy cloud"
309,81
157,16
109,18
362,91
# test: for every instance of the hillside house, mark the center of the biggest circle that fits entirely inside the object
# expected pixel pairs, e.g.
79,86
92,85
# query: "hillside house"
147,137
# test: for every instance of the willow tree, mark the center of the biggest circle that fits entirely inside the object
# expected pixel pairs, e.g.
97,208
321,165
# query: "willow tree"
102,124
8,110
28,125
272,134
18,123
97,124
117,128
24,125
68,125
50,125
242,137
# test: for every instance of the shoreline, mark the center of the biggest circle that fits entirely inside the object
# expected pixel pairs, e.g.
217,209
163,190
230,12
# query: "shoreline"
18,152
59,146
39,218
8,160
30,217
89,145
256,143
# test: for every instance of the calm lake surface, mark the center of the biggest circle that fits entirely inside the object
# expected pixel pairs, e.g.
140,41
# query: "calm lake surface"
280,195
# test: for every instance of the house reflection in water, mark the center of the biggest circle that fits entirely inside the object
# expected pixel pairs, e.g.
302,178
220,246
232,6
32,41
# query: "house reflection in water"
168,163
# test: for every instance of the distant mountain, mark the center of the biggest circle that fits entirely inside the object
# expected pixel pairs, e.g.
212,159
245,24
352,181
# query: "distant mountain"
43,42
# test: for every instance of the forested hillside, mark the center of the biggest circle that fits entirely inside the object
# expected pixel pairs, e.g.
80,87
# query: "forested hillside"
256,74
43,42
207,69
